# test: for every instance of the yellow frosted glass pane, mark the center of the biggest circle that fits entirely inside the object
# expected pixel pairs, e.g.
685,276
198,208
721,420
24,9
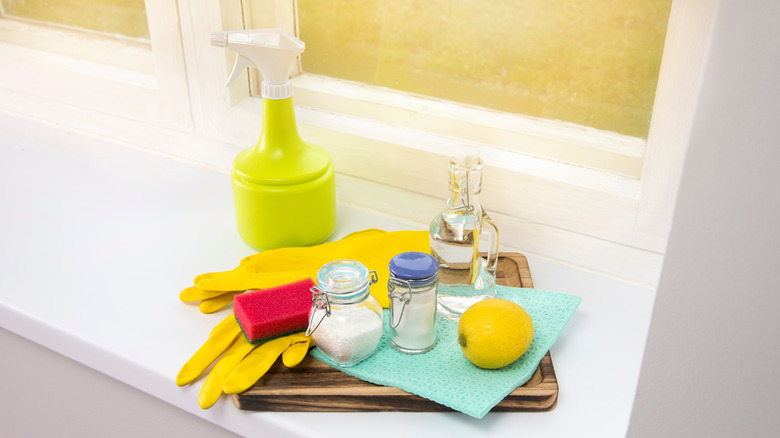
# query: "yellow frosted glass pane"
589,62
118,17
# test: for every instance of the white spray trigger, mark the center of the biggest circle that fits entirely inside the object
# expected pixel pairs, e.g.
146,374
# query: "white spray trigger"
272,51
240,65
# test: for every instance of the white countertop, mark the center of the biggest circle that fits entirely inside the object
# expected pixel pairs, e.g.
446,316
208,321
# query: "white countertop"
98,240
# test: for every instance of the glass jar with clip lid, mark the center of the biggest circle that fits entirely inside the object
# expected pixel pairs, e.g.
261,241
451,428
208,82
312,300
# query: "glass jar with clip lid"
345,321
412,292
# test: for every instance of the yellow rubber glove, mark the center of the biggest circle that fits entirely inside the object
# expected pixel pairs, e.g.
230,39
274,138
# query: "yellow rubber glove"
221,338
242,364
259,361
266,261
373,248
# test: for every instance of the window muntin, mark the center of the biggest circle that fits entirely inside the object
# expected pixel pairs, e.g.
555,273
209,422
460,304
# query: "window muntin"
589,62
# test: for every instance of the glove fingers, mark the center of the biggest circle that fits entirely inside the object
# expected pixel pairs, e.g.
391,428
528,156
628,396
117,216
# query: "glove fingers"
220,339
212,387
225,283
255,365
230,281
300,337
249,279
295,354
211,305
207,275
230,320
192,294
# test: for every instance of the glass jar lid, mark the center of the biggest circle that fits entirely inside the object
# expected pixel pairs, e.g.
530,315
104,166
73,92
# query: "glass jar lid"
344,278
417,268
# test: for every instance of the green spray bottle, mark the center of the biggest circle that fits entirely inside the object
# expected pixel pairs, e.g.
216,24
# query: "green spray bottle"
284,189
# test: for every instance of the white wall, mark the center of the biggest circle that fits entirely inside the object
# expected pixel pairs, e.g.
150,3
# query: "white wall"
46,394
713,354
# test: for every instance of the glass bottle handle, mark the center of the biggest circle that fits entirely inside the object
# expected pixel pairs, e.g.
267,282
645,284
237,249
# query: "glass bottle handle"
489,227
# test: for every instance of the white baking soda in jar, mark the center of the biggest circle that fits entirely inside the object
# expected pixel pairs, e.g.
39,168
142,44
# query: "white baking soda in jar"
412,292
345,320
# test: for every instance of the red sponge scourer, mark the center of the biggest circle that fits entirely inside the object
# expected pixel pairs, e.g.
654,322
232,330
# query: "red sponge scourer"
269,313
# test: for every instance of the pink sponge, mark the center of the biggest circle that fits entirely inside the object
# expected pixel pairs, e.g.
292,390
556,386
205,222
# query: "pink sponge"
273,312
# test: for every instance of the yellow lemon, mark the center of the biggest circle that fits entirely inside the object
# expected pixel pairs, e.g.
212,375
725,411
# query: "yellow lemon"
495,332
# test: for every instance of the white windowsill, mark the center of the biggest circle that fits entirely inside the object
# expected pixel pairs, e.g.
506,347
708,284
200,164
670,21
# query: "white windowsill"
111,235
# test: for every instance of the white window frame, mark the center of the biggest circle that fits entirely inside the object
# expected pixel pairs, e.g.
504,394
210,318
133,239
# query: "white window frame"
585,215
387,159
122,79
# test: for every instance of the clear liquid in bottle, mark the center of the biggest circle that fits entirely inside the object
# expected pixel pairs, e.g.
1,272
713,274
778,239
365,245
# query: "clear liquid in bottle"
455,236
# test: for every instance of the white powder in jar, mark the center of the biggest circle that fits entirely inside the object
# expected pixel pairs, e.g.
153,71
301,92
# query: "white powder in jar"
348,335
415,331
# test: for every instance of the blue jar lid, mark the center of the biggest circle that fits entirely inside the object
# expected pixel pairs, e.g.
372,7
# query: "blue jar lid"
413,266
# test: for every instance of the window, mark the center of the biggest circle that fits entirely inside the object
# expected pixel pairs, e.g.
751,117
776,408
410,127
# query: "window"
567,190
122,59
511,70
559,187
126,18
589,62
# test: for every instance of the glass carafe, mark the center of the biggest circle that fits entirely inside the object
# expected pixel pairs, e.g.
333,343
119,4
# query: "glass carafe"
466,274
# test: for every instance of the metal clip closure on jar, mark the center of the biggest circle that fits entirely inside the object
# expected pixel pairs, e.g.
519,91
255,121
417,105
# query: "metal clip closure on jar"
412,292
345,320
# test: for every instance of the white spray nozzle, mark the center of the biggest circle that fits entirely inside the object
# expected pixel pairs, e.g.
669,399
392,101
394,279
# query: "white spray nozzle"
269,50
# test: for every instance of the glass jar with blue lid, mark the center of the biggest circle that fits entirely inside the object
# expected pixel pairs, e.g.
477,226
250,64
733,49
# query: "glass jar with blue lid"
345,320
412,292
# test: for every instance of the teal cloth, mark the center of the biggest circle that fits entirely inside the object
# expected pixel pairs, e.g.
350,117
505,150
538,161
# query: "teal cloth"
445,376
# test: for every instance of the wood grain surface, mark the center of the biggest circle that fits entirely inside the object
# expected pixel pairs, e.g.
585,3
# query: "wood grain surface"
315,386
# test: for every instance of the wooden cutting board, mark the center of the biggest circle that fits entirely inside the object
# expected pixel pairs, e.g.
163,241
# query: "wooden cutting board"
313,386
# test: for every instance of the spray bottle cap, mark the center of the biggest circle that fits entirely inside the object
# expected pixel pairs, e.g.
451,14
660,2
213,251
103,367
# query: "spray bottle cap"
271,51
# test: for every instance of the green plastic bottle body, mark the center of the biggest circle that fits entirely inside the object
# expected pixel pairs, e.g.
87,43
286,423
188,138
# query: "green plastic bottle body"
284,189
271,217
